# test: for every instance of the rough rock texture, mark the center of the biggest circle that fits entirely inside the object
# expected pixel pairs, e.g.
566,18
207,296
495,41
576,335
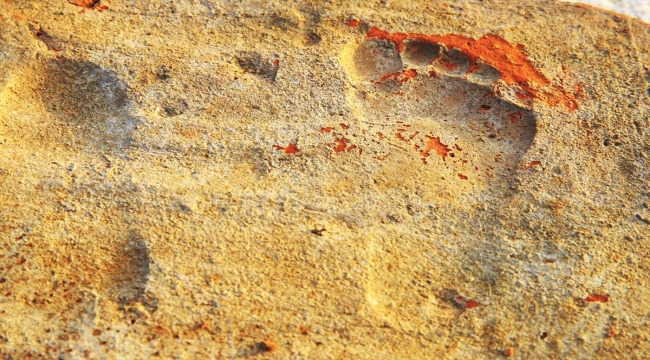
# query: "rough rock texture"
382,179
636,8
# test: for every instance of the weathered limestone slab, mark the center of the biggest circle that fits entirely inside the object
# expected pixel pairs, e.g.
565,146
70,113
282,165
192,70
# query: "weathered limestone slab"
384,179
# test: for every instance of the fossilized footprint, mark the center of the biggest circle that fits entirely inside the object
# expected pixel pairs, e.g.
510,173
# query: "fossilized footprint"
439,99
63,102
441,104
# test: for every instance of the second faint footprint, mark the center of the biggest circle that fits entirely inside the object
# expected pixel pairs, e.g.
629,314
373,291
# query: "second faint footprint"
64,102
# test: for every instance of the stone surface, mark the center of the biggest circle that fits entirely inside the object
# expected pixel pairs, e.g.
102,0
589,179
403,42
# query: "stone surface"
637,8
203,179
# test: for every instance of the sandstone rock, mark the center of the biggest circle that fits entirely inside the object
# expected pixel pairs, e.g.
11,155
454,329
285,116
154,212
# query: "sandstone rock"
203,179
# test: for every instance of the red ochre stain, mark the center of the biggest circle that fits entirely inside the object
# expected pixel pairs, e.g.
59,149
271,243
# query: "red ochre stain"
408,74
433,143
380,135
510,60
597,298
89,4
352,22
290,149
580,90
467,302
340,145
514,116
344,127
534,163
267,346
276,62
399,136
447,65
325,130
462,177
401,76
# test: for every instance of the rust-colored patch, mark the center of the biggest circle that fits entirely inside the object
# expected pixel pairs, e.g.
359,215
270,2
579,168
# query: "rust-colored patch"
611,332
340,145
352,22
514,117
465,303
534,163
266,346
89,4
400,136
433,143
580,91
408,74
462,177
289,149
270,345
447,65
597,298
509,352
510,60
401,76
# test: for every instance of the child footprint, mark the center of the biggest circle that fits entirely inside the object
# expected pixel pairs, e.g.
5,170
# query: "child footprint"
439,106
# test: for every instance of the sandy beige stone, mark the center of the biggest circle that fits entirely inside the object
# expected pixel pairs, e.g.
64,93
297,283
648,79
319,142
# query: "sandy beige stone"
205,179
